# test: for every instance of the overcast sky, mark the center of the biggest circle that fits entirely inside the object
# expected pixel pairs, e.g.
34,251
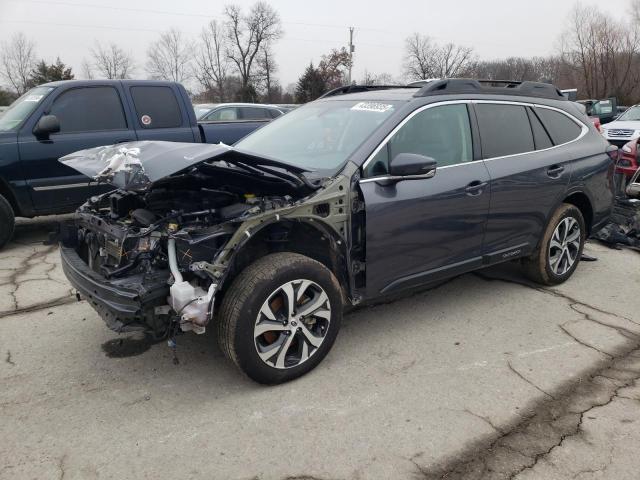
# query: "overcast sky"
494,28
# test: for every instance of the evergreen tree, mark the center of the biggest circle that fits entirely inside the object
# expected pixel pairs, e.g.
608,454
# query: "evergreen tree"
310,85
43,73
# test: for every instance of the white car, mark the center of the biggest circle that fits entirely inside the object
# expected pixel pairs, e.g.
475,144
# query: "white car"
625,128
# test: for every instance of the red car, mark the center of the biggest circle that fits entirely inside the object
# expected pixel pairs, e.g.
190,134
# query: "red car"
628,162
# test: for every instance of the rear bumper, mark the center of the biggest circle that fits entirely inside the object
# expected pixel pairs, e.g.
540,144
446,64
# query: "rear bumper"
125,304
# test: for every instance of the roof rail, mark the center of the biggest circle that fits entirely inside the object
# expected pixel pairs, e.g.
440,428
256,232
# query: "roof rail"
363,88
452,86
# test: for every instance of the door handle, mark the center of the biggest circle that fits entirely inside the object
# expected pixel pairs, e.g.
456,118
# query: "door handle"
555,171
475,187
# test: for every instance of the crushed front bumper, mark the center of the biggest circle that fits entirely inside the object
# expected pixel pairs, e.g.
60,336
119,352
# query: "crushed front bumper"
125,304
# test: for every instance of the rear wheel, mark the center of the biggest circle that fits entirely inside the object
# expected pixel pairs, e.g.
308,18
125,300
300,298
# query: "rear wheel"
7,221
280,317
561,247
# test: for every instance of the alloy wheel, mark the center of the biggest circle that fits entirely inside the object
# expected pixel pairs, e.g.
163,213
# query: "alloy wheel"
292,324
564,246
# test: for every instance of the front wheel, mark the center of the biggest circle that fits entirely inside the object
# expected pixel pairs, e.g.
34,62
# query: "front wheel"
280,317
7,221
560,249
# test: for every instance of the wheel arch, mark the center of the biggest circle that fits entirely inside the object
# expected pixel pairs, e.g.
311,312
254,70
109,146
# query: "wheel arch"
581,201
305,236
6,192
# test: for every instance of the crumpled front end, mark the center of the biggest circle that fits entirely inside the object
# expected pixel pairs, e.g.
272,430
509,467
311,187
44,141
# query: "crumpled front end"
151,256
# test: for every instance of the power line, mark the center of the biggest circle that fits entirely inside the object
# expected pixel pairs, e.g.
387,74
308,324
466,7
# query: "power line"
182,14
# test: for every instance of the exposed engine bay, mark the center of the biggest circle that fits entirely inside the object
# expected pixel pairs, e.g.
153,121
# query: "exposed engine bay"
170,240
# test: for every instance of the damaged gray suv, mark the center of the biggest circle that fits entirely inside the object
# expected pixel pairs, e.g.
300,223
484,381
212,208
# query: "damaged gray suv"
364,193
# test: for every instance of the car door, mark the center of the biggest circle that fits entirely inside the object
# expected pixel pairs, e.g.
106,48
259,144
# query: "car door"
528,174
229,127
89,116
159,115
420,230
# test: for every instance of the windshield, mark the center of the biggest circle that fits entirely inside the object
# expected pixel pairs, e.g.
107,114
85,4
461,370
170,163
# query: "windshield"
319,136
632,114
22,108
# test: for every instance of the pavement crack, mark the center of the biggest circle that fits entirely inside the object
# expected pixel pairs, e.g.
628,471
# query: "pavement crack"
514,370
40,306
584,344
485,420
61,467
9,360
526,442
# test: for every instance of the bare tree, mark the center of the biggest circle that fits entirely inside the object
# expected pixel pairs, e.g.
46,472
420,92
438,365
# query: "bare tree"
602,51
370,78
212,63
17,61
246,35
169,57
267,68
87,69
334,68
112,61
426,59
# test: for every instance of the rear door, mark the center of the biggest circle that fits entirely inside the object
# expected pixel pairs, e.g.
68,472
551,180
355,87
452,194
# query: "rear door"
529,171
159,114
420,230
89,116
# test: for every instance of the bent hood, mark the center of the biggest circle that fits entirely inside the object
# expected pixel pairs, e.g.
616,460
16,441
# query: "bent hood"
136,165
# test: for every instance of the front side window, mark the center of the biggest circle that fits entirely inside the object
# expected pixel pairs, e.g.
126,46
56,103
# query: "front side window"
504,130
156,107
223,115
561,128
89,109
442,133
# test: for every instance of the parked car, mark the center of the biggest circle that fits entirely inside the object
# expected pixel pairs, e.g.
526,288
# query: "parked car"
227,112
201,109
625,128
58,118
628,162
342,201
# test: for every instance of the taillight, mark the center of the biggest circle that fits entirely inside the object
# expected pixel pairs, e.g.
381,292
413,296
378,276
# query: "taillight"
613,152
597,124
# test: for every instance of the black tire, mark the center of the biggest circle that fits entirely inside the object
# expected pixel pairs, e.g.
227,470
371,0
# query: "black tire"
250,291
7,221
538,267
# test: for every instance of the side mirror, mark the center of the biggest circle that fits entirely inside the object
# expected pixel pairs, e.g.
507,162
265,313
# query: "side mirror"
47,125
633,188
412,165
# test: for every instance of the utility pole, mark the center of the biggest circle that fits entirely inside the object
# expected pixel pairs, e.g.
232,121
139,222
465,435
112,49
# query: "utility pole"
351,50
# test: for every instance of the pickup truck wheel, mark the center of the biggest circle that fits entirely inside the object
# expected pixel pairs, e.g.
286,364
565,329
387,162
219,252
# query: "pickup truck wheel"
7,221
561,247
280,317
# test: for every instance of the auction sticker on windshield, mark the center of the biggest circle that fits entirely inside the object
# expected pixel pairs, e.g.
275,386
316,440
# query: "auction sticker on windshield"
372,107
33,98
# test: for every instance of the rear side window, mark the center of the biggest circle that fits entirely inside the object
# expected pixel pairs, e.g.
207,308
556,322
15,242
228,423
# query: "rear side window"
156,107
540,135
89,110
254,113
504,130
561,128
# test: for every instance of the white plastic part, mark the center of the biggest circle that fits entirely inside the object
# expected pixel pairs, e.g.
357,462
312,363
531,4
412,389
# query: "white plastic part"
189,301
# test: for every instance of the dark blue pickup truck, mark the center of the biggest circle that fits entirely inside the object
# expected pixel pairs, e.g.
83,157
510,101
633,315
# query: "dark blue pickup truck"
58,118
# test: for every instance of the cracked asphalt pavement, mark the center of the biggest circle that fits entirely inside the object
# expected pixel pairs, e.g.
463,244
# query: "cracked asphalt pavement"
484,377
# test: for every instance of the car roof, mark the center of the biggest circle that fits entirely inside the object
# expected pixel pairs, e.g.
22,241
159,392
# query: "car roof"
450,87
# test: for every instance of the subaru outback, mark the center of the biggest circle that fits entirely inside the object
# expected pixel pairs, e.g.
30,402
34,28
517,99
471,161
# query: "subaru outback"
364,193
